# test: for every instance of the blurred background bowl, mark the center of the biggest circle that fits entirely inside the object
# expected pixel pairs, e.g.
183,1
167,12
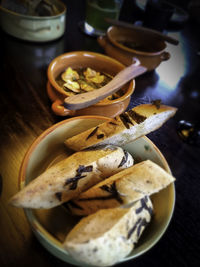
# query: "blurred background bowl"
34,28
126,44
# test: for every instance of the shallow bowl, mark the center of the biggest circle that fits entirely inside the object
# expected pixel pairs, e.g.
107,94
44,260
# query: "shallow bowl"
51,226
98,62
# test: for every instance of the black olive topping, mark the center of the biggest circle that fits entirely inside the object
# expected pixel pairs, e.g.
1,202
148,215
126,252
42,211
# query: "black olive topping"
92,133
113,191
125,120
59,195
74,180
132,230
124,159
112,123
99,136
143,202
83,168
136,116
114,194
156,103
142,223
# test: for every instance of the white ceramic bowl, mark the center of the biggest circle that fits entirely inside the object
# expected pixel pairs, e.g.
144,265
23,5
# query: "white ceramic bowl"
51,226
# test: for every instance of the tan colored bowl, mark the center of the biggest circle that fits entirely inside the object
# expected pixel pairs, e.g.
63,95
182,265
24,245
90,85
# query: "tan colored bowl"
34,28
51,226
98,62
150,57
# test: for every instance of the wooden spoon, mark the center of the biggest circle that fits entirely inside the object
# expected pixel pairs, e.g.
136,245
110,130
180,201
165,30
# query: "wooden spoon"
90,98
144,30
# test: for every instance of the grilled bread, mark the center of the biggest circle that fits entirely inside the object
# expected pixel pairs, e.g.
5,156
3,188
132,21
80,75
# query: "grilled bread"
107,236
124,128
71,176
127,186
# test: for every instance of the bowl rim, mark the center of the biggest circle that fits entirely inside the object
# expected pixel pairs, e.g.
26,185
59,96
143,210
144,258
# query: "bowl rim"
53,83
125,48
31,17
46,238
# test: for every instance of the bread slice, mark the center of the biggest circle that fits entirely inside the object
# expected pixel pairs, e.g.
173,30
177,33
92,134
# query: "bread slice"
75,174
107,236
127,186
124,128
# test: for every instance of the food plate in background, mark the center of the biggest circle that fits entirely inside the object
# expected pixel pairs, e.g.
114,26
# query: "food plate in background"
51,226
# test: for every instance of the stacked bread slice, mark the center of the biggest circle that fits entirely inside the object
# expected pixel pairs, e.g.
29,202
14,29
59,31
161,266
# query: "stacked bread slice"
71,176
116,210
107,236
127,186
124,128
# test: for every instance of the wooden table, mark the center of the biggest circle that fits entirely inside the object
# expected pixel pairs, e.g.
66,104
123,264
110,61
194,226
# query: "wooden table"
25,112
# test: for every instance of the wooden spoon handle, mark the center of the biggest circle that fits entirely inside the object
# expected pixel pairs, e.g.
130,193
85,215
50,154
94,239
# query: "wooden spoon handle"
90,98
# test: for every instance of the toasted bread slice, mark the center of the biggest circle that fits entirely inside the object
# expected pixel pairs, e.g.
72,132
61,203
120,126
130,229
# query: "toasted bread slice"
107,236
71,176
127,186
124,128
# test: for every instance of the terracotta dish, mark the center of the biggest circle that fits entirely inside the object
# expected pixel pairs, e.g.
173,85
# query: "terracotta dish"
98,62
52,225
126,44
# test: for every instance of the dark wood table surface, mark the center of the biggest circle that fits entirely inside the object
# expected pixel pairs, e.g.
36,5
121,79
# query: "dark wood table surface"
25,112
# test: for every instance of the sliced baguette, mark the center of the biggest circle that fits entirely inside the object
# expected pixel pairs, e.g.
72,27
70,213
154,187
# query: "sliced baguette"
75,174
127,186
107,236
124,128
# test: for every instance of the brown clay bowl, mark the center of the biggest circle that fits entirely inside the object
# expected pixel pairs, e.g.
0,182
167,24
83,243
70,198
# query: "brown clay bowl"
98,62
148,50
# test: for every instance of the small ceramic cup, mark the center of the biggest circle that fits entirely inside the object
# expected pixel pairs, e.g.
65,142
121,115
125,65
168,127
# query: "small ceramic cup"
149,51
98,62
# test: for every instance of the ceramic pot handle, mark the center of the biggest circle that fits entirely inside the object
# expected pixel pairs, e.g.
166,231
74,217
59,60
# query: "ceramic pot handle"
102,41
33,27
165,56
60,110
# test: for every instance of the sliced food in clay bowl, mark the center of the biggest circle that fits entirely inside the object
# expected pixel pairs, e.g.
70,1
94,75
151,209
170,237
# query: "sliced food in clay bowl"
95,190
